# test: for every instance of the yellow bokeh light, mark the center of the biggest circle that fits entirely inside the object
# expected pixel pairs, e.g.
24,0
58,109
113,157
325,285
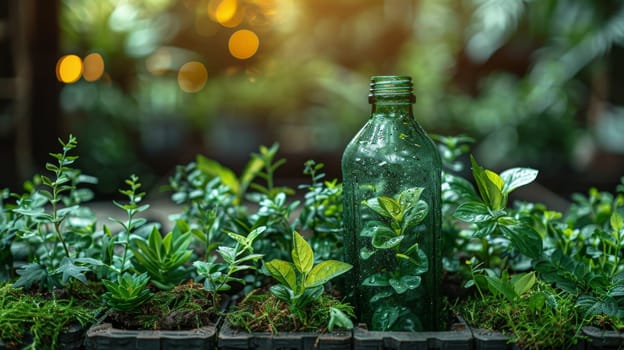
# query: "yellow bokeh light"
93,67
68,69
226,11
192,76
243,44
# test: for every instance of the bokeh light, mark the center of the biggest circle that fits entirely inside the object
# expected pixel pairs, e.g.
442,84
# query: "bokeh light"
192,76
159,62
226,10
68,69
243,44
93,67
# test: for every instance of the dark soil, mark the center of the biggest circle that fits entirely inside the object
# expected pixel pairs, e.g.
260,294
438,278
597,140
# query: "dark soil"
184,307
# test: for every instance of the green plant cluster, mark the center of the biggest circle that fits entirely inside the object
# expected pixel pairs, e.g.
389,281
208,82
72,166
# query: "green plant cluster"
540,275
231,229
535,274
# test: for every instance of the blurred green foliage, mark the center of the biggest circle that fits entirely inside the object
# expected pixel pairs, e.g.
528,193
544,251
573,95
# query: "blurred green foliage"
533,81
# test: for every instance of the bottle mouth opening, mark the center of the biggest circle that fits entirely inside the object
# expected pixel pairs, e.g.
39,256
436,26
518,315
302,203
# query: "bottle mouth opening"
391,89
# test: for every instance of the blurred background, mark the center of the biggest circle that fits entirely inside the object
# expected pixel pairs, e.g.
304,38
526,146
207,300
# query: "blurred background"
148,84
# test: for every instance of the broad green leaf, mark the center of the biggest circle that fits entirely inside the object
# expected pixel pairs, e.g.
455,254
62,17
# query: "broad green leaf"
385,238
392,207
616,222
495,190
376,280
325,271
473,212
416,214
410,196
366,253
503,287
490,185
283,272
517,177
524,238
302,254
385,317
370,228
523,282
412,282
282,292
398,285
375,205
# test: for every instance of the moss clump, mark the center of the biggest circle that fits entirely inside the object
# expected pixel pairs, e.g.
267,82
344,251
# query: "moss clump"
185,306
36,319
267,313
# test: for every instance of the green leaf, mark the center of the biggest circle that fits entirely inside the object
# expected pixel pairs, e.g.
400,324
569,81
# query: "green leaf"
302,254
385,238
616,222
398,285
473,212
69,269
523,282
381,295
30,274
503,287
410,196
392,207
282,292
490,185
412,282
524,238
375,205
376,280
366,253
325,271
517,177
215,169
283,272
415,215
337,318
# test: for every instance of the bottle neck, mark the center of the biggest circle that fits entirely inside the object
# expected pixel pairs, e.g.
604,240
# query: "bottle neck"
391,90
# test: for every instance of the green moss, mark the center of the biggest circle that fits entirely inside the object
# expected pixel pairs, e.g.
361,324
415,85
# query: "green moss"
267,313
42,316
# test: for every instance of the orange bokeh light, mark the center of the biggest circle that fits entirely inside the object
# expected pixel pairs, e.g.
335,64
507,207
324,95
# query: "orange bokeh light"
68,69
192,76
93,67
243,44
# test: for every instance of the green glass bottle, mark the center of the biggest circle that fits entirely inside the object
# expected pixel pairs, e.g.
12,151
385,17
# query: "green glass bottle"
391,174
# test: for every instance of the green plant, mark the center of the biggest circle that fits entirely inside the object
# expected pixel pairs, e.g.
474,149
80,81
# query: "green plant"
163,258
57,259
128,292
266,157
398,218
128,226
530,311
321,212
211,195
492,219
218,276
585,257
301,284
